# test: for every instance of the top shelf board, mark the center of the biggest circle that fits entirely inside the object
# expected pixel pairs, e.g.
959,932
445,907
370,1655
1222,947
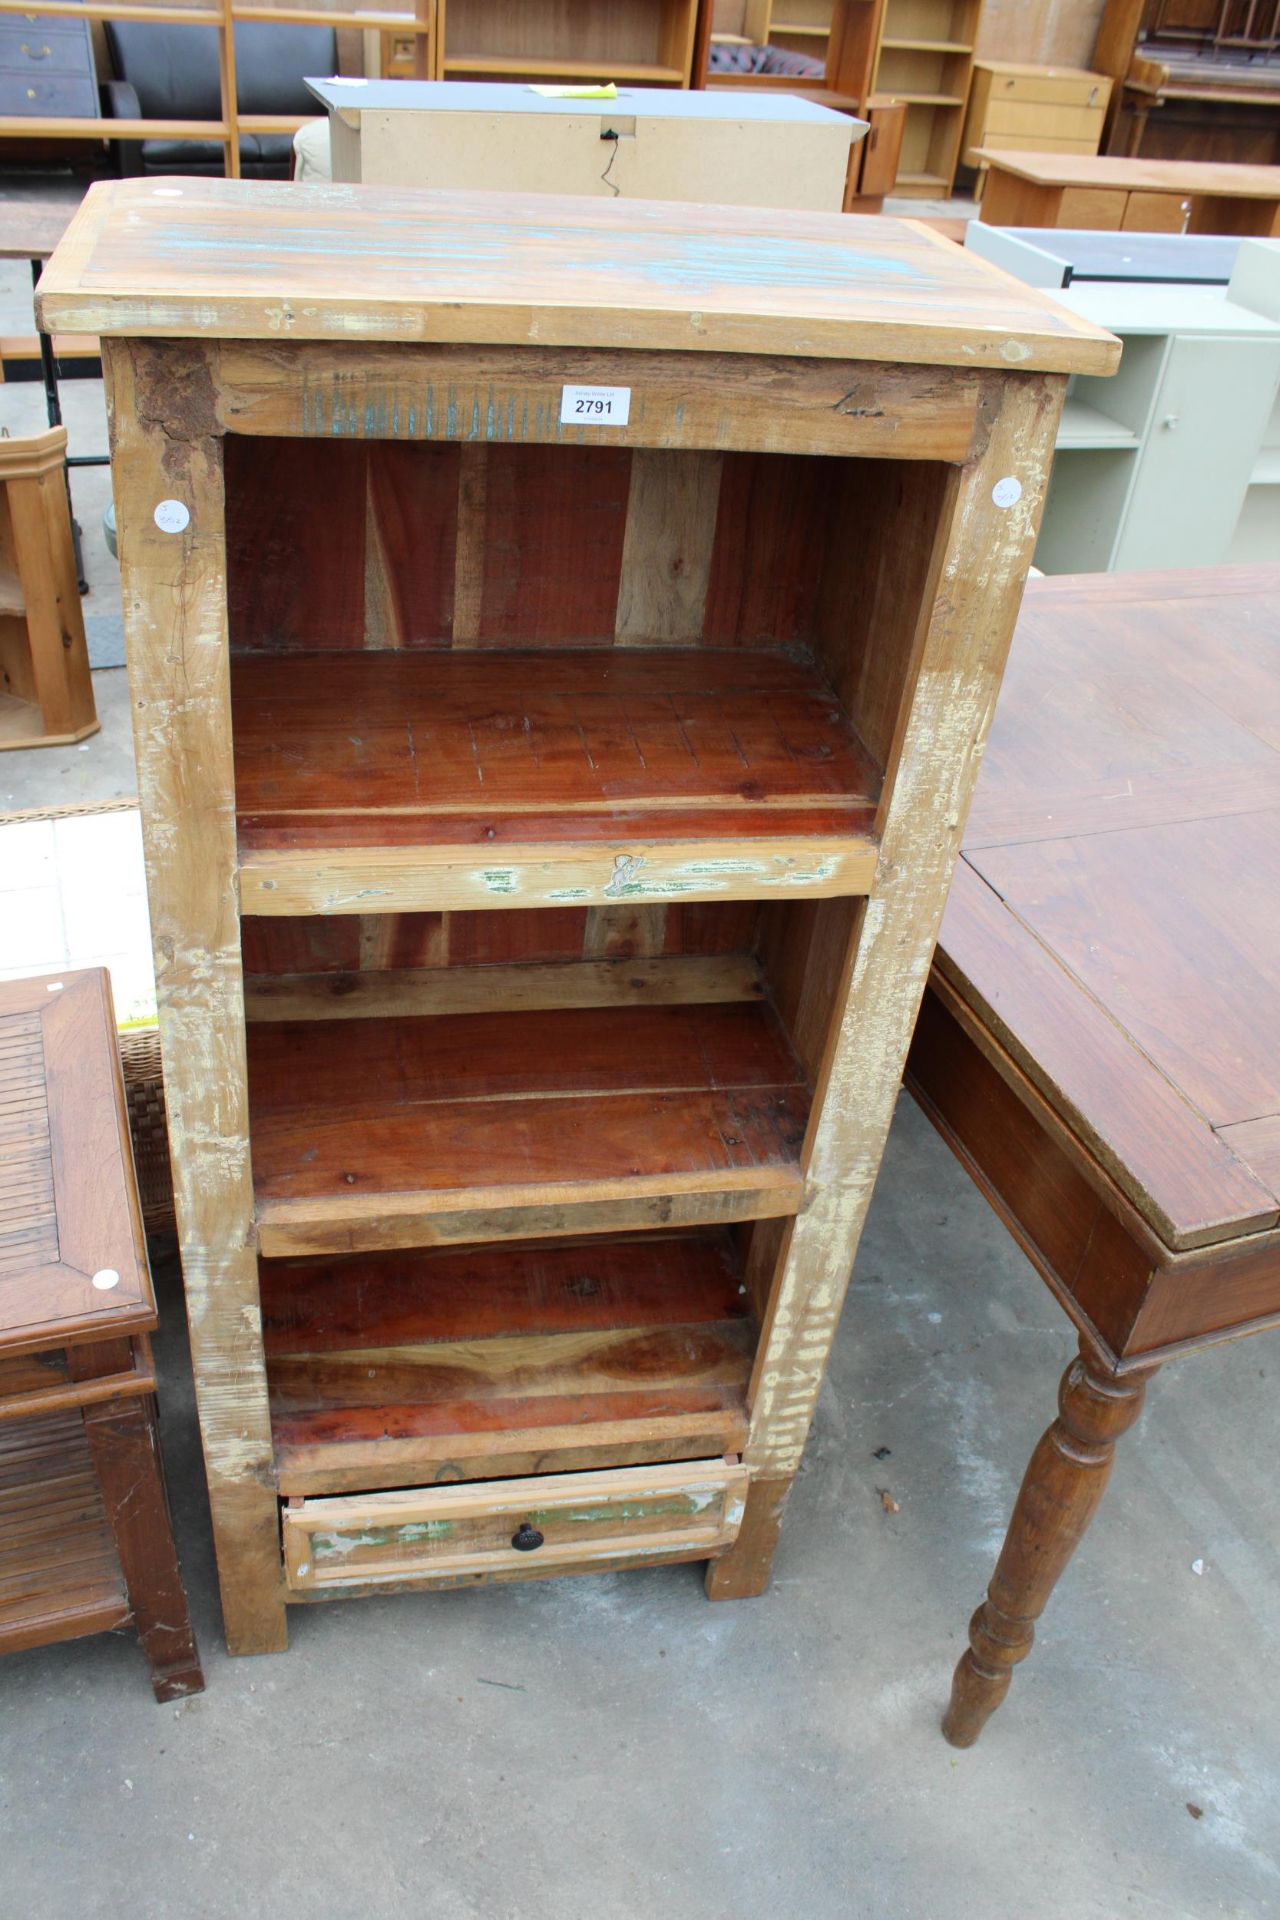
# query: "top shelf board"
238,259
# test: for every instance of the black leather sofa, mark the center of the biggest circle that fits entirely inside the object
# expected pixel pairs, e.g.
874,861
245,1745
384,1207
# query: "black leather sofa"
171,73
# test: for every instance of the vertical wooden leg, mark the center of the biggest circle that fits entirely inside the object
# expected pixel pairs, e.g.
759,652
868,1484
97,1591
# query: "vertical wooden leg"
744,1571
1066,1478
126,1457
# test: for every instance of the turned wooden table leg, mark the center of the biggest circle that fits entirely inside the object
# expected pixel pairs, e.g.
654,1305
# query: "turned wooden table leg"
1066,1478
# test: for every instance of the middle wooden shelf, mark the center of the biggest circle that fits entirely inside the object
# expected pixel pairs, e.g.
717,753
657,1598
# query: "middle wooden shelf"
387,781
380,1132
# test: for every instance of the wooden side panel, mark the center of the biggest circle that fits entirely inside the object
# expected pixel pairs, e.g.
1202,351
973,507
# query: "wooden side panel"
984,550
175,601
770,545
878,580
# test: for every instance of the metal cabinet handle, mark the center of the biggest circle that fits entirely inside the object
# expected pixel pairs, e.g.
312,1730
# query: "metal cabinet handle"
41,53
526,1539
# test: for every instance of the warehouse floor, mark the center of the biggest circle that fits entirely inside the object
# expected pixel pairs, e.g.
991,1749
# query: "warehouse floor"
616,1748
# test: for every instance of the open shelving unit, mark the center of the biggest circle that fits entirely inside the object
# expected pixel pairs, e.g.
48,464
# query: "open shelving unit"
414,28
925,59
645,42
547,826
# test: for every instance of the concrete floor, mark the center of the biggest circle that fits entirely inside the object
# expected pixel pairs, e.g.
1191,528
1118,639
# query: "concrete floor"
614,1748
585,1749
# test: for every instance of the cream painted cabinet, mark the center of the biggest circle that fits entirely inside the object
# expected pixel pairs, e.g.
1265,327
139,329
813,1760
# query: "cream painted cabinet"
1176,460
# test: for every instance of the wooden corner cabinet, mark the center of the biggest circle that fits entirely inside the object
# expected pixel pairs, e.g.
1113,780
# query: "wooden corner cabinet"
561,641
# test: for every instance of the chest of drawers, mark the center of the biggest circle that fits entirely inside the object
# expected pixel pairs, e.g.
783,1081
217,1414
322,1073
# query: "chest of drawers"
47,67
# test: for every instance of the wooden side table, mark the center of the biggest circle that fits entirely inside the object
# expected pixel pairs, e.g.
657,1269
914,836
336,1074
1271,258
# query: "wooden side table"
85,1538
1100,1040
1141,196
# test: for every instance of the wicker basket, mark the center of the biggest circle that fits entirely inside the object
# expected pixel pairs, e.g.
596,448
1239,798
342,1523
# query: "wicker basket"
144,1094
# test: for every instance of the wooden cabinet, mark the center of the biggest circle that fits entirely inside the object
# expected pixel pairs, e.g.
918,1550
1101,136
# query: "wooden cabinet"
1050,109
649,41
650,143
925,59
561,646
47,67
46,692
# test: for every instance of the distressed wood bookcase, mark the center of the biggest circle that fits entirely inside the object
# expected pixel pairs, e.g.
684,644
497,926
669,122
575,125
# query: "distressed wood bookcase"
548,818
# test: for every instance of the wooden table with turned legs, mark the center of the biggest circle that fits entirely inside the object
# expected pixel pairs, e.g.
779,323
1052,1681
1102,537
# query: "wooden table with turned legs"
1100,1040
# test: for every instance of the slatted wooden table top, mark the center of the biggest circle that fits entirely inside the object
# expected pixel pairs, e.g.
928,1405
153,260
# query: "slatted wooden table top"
1115,915
251,260
73,1261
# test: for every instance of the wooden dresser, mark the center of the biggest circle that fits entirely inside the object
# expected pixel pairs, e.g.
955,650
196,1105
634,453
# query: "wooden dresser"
1048,109
561,639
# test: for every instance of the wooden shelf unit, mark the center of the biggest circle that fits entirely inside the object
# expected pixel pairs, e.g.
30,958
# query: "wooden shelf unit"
925,58
646,42
417,27
547,825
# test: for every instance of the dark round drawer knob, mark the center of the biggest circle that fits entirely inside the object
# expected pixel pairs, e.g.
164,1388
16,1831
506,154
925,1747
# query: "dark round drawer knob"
526,1539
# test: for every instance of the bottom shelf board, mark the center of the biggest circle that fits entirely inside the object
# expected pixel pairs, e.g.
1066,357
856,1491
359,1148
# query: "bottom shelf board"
448,1364
408,1132
1086,426
22,725
59,1572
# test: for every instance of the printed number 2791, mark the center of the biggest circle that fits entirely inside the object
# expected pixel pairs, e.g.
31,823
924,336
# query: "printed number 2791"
590,406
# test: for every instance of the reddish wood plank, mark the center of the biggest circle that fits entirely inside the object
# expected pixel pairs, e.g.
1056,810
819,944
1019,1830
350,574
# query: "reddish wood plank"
503,734
295,544
1156,1147
554,521
477,1292
770,545
1196,988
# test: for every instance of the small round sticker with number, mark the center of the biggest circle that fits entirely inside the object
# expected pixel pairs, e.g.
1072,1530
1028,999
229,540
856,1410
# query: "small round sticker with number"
172,517
1007,492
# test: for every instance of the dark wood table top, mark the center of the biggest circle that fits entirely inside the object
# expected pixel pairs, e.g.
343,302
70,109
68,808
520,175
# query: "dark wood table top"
1115,917
73,1259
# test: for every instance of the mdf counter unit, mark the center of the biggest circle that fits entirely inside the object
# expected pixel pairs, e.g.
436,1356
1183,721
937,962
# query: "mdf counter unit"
653,143
561,641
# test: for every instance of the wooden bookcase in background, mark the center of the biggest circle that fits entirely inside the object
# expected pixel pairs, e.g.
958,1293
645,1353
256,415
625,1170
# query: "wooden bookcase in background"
415,26
925,58
547,829
640,42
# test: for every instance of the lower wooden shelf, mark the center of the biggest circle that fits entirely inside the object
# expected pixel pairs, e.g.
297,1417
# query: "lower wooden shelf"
374,1133
442,1365
59,1572
420,781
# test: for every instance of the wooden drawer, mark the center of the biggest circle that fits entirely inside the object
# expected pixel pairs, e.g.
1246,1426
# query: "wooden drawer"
1038,122
53,95
572,1523
1051,89
49,50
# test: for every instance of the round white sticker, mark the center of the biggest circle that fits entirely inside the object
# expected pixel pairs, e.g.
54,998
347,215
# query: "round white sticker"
106,1278
1007,492
172,517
